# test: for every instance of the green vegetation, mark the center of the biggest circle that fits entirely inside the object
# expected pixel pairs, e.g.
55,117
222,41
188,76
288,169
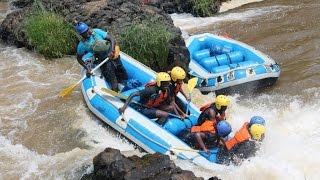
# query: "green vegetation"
203,7
147,42
50,34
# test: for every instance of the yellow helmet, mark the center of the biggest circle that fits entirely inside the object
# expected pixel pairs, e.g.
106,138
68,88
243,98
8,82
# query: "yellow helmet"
221,100
177,73
257,131
161,77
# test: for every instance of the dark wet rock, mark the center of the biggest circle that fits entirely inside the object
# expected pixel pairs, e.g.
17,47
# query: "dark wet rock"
22,3
238,153
182,6
110,164
11,30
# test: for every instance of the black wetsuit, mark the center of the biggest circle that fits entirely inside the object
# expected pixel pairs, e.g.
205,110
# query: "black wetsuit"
113,70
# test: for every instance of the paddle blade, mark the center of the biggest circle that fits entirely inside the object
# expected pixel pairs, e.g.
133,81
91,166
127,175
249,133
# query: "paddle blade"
67,91
192,84
113,93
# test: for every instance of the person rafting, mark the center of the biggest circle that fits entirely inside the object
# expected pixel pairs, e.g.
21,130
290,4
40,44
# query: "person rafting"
102,45
214,112
155,98
177,76
253,130
207,136
244,142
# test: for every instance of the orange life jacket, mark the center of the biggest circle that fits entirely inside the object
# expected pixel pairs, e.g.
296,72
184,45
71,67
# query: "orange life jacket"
240,136
207,126
177,88
161,97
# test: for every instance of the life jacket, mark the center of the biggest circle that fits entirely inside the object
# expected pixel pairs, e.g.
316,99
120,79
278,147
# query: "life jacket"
240,136
177,88
207,126
159,99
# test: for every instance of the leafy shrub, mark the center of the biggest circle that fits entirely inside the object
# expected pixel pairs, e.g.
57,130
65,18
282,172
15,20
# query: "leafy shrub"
205,7
50,34
147,42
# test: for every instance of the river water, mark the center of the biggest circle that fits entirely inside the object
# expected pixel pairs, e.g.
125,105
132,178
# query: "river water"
44,136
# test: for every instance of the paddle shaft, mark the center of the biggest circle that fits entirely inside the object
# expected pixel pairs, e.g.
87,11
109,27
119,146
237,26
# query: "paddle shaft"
94,69
125,98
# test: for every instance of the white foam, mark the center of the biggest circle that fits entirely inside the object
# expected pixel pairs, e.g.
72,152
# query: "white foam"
228,5
187,21
291,149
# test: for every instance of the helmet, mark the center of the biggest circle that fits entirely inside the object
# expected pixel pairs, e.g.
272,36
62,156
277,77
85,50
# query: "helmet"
177,73
257,131
221,100
81,27
257,120
161,77
223,128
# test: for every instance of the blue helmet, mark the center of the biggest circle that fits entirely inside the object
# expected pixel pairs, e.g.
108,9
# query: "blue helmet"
257,120
81,27
223,128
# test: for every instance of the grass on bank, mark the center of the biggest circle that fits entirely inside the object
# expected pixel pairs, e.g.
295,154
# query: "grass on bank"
203,7
147,42
50,34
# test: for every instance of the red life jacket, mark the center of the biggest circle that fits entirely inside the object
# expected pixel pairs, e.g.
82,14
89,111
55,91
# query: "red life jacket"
177,88
207,126
240,136
161,97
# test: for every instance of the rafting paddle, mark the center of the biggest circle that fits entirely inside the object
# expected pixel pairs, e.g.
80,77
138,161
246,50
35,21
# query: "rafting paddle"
191,85
68,91
116,94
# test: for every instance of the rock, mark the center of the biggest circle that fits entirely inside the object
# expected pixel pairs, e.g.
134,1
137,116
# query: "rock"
110,164
238,153
22,3
183,6
11,29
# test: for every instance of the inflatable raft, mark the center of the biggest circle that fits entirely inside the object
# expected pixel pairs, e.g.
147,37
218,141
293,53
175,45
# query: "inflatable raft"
135,126
227,66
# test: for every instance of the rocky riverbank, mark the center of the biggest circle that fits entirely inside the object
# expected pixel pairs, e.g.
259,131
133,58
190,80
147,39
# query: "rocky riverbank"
111,164
112,15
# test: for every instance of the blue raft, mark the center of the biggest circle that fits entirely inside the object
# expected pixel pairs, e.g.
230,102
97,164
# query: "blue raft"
225,65
135,126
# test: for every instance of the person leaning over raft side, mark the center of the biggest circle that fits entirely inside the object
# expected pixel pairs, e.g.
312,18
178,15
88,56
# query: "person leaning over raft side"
102,46
208,137
177,77
214,112
254,130
243,144
155,98
210,116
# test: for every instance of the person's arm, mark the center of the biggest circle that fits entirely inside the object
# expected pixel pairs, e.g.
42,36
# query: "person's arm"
183,115
212,114
201,143
222,116
123,108
184,94
79,59
113,44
